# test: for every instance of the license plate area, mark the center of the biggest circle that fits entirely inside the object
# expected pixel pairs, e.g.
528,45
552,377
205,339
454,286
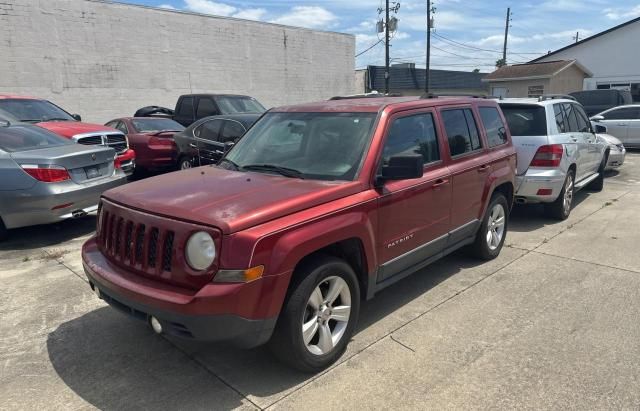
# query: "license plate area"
92,172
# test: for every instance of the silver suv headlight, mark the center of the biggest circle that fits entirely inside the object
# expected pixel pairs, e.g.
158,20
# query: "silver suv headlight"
200,251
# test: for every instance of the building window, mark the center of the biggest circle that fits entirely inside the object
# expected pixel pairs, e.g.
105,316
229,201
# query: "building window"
536,91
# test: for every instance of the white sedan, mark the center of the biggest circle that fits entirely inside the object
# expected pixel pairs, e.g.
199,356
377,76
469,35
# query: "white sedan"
617,151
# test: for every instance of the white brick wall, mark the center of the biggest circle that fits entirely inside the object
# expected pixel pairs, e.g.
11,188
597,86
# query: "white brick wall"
105,60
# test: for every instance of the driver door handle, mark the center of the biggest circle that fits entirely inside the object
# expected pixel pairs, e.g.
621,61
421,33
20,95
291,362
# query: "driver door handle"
484,168
193,145
440,182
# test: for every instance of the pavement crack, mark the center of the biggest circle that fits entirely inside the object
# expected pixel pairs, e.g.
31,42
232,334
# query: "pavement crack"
402,344
585,261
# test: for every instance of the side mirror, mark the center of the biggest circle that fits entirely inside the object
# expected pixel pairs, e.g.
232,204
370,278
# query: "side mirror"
403,168
76,117
228,145
597,118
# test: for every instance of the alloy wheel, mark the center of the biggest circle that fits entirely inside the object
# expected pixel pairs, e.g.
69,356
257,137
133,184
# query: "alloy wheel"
568,195
326,316
495,226
185,165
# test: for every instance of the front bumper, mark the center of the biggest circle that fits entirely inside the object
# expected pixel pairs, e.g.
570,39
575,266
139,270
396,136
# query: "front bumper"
616,157
47,203
213,313
530,186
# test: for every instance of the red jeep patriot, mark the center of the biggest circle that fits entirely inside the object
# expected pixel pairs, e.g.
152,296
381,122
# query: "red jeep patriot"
316,208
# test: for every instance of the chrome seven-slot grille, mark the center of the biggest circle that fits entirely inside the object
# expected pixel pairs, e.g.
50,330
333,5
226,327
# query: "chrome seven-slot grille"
132,239
116,141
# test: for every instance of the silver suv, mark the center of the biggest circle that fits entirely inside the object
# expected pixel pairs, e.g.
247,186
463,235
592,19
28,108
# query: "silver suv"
558,152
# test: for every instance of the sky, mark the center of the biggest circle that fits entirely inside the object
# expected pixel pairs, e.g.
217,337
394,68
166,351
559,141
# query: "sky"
467,34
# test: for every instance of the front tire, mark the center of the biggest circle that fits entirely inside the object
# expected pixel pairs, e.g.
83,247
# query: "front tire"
561,208
319,315
598,184
493,230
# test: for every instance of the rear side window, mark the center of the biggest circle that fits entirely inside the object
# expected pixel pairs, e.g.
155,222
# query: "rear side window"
462,132
186,107
493,125
525,120
572,120
561,121
412,135
206,108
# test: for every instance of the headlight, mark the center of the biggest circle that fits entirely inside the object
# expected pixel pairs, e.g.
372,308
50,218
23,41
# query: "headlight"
201,251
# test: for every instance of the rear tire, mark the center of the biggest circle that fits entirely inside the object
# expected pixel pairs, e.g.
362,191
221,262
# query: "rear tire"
185,163
598,183
561,208
319,315
493,230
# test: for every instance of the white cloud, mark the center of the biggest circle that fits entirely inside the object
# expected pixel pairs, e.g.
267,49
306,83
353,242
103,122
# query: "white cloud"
313,17
563,5
618,14
251,14
167,6
210,7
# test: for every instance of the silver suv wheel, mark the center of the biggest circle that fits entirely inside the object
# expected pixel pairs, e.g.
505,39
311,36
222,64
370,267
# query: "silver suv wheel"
568,195
326,316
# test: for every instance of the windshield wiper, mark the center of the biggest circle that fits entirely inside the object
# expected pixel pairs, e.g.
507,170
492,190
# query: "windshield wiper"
30,120
237,167
57,119
285,171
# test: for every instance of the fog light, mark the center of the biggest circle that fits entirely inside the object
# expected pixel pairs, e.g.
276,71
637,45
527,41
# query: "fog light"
155,324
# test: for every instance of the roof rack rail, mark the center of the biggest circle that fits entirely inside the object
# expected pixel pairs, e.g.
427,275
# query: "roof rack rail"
366,95
483,96
545,97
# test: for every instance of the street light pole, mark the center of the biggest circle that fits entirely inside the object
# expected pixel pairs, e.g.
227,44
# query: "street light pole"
427,83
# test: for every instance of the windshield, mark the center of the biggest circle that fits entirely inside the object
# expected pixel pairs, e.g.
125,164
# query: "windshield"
324,146
146,125
23,138
34,110
239,104
525,120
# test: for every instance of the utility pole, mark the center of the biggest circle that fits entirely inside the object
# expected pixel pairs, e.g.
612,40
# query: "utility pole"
506,36
577,37
386,48
427,83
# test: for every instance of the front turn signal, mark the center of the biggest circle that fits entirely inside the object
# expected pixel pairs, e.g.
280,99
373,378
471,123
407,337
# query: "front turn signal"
239,276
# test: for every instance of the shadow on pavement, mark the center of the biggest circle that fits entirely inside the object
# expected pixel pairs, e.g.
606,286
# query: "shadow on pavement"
113,361
530,217
38,236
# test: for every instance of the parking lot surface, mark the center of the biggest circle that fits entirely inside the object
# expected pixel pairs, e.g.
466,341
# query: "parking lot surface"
551,323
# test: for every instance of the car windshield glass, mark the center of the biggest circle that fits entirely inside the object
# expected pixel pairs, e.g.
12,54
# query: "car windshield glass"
324,146
146,125
525,120
20,138
34,110
238,104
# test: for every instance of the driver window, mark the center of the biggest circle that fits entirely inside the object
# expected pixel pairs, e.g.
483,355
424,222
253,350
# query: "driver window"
209,130
412,135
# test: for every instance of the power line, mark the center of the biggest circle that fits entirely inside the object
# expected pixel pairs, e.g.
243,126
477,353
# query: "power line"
369,48
448,40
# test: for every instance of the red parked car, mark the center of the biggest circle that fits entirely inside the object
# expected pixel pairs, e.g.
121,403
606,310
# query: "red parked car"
317,207
152,140
47,115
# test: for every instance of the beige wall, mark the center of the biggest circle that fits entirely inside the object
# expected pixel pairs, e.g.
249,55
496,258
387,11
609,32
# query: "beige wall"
360,82
520,88
567,81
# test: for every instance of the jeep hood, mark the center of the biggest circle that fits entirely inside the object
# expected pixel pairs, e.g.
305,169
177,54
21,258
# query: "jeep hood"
69,129
229,200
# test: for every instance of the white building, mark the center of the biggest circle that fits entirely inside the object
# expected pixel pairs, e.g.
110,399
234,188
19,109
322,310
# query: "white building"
104,59
612,57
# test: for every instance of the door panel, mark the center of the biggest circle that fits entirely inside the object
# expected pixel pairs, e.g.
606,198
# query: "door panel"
209,148
413,214
593,148
633,133
469,166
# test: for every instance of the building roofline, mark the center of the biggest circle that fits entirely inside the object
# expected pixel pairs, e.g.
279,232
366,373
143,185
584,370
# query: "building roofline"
542,76
193,13
602,33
